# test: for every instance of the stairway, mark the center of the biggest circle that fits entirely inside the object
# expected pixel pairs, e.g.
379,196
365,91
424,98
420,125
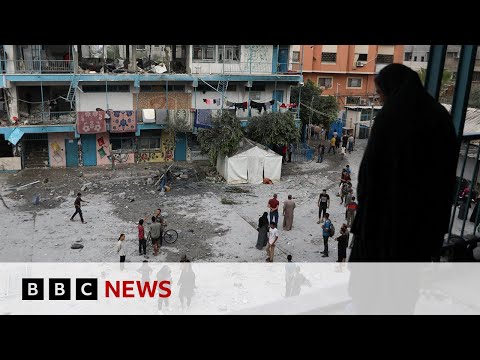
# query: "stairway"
71,91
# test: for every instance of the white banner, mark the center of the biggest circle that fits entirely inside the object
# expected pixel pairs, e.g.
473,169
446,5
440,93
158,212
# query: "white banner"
239,288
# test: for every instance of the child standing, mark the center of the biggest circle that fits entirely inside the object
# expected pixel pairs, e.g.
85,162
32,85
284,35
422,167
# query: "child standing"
142,243
121,250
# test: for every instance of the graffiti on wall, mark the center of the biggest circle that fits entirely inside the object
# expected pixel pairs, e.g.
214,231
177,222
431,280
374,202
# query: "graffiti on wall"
57,152
102,148
119,157
144,156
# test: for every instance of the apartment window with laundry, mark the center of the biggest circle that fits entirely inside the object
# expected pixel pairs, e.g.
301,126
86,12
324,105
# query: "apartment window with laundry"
354,82
329,57
204,53
408,56
296,56
229,53
326,82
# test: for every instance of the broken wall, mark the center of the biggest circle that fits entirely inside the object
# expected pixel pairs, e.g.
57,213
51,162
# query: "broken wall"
10,163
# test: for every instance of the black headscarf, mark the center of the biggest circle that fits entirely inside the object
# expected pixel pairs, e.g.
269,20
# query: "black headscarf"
405,187
263,220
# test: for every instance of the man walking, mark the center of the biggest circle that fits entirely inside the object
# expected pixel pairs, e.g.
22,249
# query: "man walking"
288,207
142,243
332,144
350,144
78,209
321,152
351,210
326,233
273,206
155,233
344,143
290,268
323,204
272,239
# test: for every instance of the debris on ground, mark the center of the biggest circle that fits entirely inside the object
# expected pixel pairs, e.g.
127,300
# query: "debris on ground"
226,201
237,190
76,246
24,186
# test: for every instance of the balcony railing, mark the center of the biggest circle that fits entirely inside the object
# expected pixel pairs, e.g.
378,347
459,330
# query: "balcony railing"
464,230
49,118
42,66
245,68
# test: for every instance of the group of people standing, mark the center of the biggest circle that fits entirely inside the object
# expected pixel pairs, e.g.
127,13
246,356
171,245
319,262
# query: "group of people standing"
156,234
328,230
267,229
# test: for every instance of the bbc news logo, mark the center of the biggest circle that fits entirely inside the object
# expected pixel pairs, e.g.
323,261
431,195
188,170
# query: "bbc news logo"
59,289
87,289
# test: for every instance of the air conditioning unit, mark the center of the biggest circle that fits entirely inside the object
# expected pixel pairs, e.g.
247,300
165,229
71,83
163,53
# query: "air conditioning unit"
360,63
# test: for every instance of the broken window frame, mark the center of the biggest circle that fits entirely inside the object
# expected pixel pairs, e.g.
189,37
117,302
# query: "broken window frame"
232,53
203,50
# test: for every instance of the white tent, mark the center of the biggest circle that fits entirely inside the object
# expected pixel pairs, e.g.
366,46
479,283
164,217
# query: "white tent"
250,164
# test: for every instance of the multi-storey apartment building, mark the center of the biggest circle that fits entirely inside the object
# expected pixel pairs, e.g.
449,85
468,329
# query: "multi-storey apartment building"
71,105
348,71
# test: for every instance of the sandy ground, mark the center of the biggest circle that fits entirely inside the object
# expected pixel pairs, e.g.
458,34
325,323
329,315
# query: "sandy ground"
208,230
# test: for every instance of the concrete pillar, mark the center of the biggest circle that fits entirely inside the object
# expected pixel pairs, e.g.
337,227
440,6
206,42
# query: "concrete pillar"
189,56
10,50
75,58
13,102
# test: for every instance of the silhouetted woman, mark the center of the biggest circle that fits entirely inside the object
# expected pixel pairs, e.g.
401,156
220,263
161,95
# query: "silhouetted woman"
262,231
395,222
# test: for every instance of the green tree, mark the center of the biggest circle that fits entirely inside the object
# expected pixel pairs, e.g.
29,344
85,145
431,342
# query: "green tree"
326,106
447,83
273,128
223,137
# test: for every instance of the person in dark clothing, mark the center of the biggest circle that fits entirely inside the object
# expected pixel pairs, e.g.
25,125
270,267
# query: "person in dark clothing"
78,209
142,243
262,231
343,243
392,159
321,152
399,162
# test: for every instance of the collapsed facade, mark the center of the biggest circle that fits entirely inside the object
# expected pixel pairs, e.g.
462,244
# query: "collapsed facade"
89,105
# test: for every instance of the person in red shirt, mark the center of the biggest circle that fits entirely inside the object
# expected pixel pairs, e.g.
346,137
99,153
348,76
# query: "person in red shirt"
142,243
351,210
273,206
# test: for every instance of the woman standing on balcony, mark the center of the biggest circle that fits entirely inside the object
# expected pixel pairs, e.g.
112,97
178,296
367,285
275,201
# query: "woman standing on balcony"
397,165
395,222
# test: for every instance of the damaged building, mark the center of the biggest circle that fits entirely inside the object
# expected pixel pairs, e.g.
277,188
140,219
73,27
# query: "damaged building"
90,105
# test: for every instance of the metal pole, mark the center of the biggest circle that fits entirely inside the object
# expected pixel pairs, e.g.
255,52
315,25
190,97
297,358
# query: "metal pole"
41,91
371,119
436,63
310,120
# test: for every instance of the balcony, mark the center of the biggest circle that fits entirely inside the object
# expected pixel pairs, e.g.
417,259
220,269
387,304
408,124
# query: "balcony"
42,66
244,68
49,118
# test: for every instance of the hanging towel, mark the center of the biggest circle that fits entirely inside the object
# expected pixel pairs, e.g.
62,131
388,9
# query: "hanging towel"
203,118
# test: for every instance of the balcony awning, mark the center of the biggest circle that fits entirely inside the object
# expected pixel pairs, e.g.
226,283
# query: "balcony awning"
15,136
